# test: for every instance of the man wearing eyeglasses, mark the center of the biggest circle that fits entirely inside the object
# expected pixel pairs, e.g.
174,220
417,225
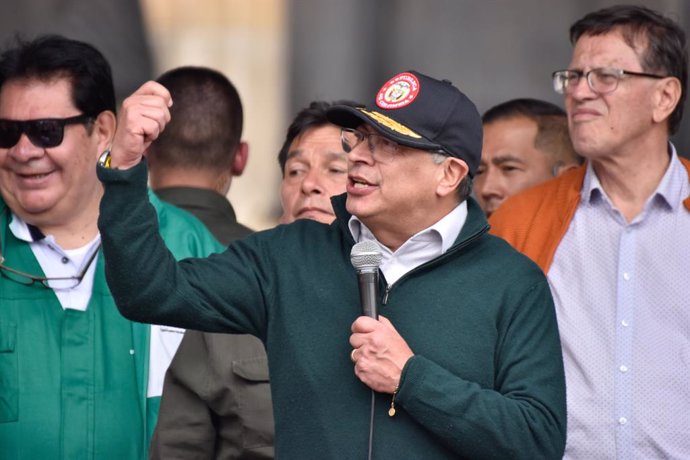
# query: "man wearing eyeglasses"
452,368
612,237
77,380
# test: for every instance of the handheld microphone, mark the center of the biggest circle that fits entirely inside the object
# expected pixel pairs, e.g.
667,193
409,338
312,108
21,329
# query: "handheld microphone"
366,259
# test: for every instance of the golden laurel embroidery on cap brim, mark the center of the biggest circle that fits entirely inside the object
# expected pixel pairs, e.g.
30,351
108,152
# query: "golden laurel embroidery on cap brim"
390,123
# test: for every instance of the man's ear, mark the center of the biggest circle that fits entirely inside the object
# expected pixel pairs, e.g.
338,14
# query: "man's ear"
104,128
452,172
240,160
666,98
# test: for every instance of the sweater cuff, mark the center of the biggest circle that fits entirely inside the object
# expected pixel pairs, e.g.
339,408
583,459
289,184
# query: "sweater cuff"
136,176
122,189
409,376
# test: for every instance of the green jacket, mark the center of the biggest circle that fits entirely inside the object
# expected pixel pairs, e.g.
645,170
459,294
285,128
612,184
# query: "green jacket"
73,384
487,377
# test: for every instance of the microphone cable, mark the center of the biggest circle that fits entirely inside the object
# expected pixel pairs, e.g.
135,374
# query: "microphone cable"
371,424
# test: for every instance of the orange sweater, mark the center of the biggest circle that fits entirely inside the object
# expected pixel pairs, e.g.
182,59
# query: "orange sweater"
535,221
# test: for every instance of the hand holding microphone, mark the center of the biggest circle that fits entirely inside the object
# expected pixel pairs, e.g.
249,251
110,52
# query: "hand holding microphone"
379,352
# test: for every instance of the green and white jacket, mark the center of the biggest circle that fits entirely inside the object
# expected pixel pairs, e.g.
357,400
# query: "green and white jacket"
82,384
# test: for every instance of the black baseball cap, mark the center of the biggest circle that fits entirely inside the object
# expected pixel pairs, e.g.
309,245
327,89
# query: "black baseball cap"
421,112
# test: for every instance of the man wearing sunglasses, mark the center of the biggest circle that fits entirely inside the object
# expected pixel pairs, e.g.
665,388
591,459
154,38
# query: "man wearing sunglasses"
77,380
453,368
612,237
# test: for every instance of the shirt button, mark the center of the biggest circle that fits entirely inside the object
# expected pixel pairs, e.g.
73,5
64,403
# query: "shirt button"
131,352
623,368
625,323
65,260
622,421
626,276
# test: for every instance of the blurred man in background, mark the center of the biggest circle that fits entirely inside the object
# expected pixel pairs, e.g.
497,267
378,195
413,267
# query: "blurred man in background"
192,164
313,164
526,142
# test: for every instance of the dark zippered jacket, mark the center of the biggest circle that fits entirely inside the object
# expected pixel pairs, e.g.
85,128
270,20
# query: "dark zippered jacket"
487,377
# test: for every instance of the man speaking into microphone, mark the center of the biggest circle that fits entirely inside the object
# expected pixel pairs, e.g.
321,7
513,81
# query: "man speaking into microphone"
464,359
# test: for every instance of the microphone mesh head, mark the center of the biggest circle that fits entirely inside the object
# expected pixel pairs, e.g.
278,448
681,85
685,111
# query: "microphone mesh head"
365,254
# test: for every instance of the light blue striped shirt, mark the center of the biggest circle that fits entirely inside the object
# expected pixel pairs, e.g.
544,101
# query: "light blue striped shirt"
622,295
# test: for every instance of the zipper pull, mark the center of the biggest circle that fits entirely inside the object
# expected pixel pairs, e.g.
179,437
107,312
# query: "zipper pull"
385,295
391,411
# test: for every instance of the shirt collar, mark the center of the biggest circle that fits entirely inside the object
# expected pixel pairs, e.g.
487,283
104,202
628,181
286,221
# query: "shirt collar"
197,198
671,188
22,231
445,231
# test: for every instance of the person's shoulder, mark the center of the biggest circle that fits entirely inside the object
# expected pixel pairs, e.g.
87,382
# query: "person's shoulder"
686,164
300,240
535,220
300,231
241,230
184,234
534,197
171,214
503,256
540,201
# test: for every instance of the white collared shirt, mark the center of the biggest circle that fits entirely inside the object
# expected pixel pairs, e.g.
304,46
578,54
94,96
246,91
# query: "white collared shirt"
420,248
58,262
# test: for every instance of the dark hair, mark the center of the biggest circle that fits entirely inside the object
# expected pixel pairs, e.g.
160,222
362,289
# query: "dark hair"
465,188
552,136
52,56
660,41
205,127
312,116
526,107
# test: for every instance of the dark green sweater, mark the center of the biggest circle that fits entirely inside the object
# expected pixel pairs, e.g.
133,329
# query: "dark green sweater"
486,380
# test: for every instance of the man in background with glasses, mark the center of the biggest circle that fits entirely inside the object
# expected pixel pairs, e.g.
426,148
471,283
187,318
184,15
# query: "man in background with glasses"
453,367
612,237
77,380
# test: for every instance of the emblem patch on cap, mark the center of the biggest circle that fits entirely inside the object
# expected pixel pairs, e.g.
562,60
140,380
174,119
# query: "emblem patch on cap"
398,92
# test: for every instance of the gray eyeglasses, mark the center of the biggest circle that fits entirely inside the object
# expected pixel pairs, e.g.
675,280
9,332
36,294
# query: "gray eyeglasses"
602,80
53,282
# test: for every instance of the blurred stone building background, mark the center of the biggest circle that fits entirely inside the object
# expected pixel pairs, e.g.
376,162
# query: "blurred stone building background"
281,54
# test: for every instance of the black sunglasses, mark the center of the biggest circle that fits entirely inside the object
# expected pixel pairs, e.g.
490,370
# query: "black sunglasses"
44,133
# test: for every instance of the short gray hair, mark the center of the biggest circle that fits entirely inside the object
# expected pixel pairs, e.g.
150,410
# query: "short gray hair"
464,187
